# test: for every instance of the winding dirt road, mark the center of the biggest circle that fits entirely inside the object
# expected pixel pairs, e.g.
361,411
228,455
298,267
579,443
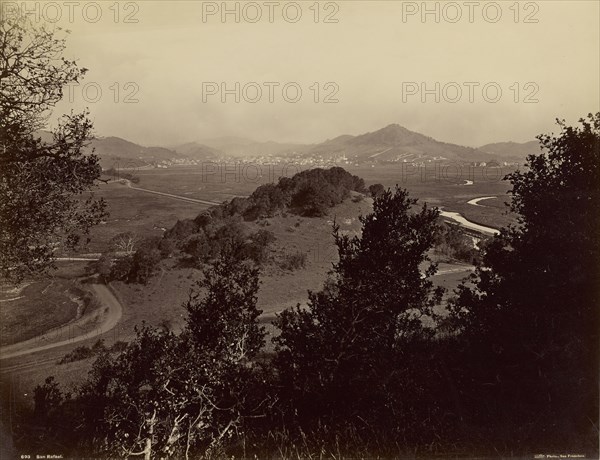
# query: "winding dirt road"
475,201
111,307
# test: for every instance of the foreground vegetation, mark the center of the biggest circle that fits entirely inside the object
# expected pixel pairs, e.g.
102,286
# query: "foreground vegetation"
358,372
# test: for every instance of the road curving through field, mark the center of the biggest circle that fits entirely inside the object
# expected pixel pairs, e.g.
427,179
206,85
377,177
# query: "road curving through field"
114,312
463,222
475,201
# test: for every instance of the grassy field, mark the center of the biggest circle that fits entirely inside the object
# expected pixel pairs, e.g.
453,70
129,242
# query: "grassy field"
39,307
435,184
213,182
447,189
141,213
148,215
160,301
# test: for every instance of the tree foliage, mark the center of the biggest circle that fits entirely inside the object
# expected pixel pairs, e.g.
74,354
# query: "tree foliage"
452,243
310,193
376,189
349,352
43,184
529,327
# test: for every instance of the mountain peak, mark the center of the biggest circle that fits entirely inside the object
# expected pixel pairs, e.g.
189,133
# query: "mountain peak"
394,128
393,134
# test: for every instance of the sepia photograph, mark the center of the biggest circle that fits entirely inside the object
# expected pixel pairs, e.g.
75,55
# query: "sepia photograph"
312,229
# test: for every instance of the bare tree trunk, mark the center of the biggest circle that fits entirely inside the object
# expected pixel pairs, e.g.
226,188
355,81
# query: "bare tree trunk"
148,449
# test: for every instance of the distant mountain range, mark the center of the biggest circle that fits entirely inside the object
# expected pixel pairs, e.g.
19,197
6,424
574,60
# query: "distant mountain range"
393,143
198,151
512,149
242,147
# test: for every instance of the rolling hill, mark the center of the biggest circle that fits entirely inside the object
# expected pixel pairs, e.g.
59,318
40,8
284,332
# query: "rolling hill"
115,152
395,143
198,151
512,149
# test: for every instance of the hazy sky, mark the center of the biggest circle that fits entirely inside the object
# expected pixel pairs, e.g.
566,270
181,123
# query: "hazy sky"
376,60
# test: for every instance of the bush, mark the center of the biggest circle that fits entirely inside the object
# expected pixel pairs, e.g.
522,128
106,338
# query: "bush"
99,346
264,237
188,394
198,246
78,354
182,229
118,346
121,268
144,264
255,248
203,219
117,174
454,244
103,266
293,261
376,189
83,352
265,202
166,247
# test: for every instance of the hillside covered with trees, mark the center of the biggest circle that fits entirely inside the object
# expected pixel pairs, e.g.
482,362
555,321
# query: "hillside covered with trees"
222,228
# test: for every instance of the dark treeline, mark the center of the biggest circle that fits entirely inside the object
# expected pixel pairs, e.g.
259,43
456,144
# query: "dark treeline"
363,370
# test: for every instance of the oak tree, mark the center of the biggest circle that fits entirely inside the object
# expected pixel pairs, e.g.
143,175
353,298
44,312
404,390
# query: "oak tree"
44,184
528,328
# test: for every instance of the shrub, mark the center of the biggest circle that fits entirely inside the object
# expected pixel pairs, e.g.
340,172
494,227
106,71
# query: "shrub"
263,237
78,354
121,268
182,395
265,202
182,229
118,346
376,189
453,243
203,219
103,266
198,246
293,261
98,346
144,264
166,247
